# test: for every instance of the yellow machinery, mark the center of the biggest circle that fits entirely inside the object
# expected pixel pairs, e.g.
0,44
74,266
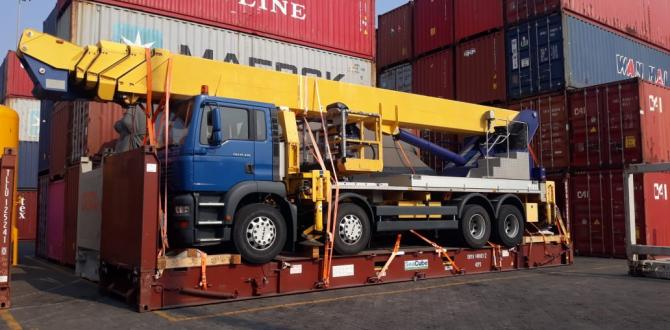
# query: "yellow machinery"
9,138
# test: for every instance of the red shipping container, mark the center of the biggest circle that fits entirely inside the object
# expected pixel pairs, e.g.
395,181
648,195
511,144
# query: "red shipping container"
26,219
41,245
433,75
394,36
433,25
343,26
14,78
642,19
71,211
448,141
598,212
55,221
551,143
620,123
58,139
92,129
480,70
477,17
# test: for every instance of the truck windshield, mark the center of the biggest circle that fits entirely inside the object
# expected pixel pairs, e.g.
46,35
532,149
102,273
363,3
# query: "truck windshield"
180,120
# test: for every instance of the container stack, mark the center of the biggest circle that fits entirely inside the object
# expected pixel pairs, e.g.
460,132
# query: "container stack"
329,39
587,67
16,93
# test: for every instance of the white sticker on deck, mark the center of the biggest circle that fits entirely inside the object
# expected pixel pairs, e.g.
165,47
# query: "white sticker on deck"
3,279
343,270
505,253
295,269
152,168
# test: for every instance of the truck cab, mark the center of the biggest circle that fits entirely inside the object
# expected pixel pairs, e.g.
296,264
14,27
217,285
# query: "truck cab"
223,154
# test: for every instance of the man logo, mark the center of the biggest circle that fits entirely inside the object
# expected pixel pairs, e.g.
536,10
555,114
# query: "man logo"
660,191
655,103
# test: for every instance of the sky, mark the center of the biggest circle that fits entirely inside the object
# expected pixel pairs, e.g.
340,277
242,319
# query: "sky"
33,13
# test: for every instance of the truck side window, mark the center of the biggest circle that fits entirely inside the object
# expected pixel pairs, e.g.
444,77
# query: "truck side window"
261,129
234,124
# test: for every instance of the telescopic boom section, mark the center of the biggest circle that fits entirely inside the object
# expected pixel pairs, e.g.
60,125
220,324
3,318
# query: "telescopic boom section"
115,72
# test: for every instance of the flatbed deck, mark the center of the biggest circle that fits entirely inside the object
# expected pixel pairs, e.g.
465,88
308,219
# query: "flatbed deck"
593,293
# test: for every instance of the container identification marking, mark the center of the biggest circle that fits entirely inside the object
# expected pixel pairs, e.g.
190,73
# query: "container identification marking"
343,270
152,168
416,264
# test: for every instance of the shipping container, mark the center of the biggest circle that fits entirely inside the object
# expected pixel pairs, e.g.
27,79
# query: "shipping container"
642,19
41,246
92,129
26,220
395,35
618,124
559,51
398,78
87,23
477,17
551,143
55,221
28,161
71,212
444,140
89,220
433,25
58,141
433,75
46,108
15,79
29,117
480,70
598,212
343,26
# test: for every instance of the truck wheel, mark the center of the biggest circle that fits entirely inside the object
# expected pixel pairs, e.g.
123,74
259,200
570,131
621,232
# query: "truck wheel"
475,226
259,233
509,226
352,231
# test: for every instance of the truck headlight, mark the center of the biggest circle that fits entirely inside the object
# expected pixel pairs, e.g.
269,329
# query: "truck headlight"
181,210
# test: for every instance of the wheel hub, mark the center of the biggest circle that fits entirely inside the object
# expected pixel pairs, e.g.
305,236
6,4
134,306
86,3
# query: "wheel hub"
477,226
511,225
261,233
350,229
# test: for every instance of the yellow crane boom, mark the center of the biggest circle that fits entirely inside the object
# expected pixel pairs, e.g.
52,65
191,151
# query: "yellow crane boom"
117,72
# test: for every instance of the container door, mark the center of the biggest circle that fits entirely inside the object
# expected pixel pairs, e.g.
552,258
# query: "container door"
220,167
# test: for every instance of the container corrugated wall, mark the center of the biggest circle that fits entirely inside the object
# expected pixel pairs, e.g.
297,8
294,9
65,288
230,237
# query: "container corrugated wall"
480,70
618,124
397,78
92,129
556,51
58,139
55,221
41,246
26,219
29,117
71,212
93,22
433,25
551,143
434,75
477,17
643,19
394,36
29,153
17,83
343,26
45,119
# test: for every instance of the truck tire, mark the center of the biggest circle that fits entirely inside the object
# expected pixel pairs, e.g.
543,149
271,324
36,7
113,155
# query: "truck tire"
475,226
352,231
509,226
259,233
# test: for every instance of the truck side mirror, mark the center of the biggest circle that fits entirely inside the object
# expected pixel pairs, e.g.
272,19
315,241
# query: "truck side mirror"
217,135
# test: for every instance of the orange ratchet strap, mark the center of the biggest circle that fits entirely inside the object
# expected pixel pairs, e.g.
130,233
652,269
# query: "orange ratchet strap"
442,251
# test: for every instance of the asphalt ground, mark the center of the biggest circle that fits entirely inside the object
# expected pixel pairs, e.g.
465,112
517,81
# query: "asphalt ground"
591,294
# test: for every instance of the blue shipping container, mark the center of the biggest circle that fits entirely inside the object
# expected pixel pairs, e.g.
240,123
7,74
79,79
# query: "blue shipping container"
28,161
560,50
43,161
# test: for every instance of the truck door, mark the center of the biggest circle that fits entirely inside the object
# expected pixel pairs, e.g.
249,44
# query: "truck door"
220,167
263,145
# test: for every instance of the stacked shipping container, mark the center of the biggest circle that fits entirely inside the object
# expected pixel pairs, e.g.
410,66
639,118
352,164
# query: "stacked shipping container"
328,39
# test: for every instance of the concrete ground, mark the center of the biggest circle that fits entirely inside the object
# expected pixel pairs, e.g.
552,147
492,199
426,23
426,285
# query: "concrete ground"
593,293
